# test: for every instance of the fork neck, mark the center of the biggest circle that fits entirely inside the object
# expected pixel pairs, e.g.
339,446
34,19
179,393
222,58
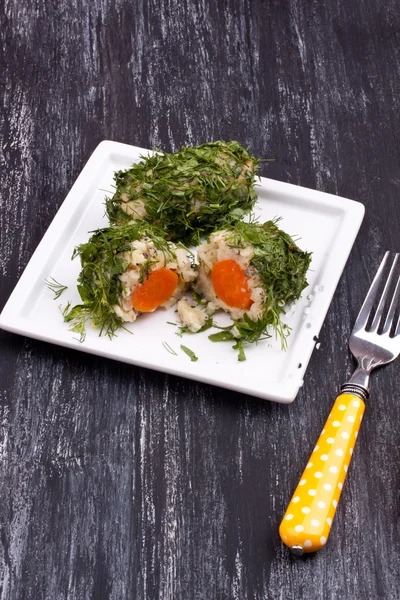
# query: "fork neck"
358,383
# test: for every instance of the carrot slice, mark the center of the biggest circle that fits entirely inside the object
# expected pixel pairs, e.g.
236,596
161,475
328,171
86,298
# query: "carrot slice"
158,287
231,284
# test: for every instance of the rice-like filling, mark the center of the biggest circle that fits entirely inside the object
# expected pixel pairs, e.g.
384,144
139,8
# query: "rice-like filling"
218,249
142,254
193,318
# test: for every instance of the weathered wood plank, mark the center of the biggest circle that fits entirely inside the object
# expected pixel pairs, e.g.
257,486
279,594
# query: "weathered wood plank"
117,482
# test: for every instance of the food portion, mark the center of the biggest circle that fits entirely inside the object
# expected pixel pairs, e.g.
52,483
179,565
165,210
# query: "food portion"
251,271
189,193
127,271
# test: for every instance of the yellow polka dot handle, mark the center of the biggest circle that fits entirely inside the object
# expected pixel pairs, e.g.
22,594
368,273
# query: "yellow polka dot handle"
307,522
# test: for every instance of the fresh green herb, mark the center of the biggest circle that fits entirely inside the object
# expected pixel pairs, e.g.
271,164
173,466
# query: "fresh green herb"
189,352
78,317
197,298
207,325
222,336
55,287
239,347
171,323
189,193
169,349
99,285
226,335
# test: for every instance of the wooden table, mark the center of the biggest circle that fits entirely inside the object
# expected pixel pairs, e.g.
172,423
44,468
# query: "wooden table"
118,482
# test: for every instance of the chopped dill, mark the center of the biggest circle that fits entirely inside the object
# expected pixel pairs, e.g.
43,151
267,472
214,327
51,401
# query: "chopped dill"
169,349
55,287
99,284
189,193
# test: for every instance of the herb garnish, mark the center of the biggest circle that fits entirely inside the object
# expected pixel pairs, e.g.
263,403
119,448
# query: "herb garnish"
189,193
282,267
169,349
190,353
207,325
55,287
99,285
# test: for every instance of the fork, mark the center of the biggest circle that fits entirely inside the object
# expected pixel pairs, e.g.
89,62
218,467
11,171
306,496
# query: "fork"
374,342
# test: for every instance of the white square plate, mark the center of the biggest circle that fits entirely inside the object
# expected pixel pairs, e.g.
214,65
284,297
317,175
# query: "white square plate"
327,226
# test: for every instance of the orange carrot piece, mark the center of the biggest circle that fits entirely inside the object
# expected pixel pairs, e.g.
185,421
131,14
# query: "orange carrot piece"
158,287
231,284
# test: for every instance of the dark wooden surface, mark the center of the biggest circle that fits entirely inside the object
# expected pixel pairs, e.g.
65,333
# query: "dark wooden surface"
117,482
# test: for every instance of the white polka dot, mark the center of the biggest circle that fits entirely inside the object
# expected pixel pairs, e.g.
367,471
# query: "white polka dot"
350,419
324,457
329,521
342,407
305,510
318,474
316,448
323,431
334,503
307,544
322,540
312,492
345,435
339,452
333,469
296,499
288,517
309,465
330,440
321,504
327,486
303,482
340,485
345,468
356,403
351,451
314,522
361,416
299,528
356,434
336,423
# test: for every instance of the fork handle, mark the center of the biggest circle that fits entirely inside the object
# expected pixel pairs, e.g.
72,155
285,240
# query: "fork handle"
306,524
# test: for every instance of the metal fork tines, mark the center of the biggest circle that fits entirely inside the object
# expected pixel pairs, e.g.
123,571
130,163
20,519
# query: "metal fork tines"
375,339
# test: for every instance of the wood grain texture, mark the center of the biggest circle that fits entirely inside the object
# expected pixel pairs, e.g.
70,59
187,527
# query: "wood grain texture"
117,482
